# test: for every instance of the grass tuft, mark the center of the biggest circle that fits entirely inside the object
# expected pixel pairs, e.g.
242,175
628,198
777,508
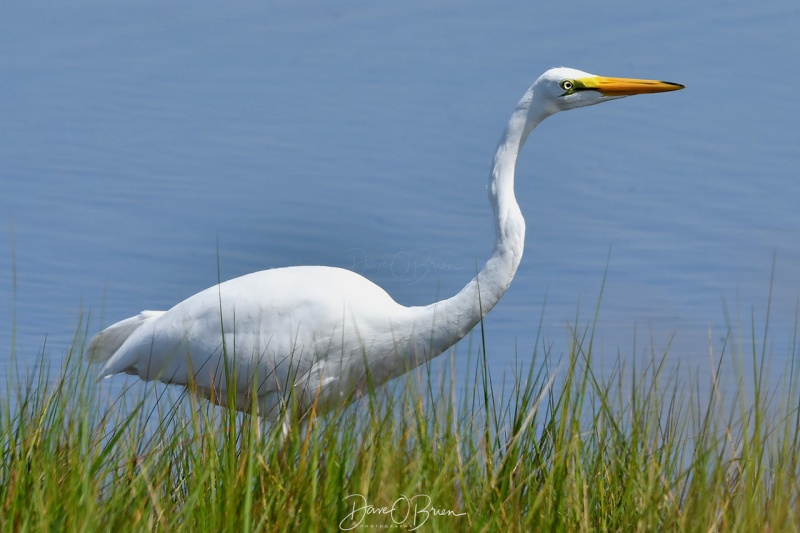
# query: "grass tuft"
554,446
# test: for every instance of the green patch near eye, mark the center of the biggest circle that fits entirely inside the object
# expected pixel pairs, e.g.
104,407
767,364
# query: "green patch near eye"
568,86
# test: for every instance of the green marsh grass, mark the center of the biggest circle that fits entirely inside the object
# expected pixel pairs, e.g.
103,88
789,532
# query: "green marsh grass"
551,446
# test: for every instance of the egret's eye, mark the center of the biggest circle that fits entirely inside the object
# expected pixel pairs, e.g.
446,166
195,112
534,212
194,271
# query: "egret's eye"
567,85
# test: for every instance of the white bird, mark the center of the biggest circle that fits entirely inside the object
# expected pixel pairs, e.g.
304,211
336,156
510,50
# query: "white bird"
316,336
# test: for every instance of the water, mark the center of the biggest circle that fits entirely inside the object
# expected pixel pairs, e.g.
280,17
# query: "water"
143,145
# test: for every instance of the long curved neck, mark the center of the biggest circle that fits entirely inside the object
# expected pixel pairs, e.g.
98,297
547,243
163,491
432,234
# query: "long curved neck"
450,320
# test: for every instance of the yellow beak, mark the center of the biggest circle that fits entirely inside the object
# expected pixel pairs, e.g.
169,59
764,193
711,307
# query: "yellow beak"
625,86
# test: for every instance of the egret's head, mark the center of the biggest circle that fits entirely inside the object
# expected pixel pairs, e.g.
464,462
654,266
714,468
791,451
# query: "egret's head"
560,89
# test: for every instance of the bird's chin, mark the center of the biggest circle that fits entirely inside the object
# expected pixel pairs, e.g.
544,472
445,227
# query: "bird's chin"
584,99
598,99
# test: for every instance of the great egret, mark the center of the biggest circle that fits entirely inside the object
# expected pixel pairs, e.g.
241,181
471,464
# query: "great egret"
323,334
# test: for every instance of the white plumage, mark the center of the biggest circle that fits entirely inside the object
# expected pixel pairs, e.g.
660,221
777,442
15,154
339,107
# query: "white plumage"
322,334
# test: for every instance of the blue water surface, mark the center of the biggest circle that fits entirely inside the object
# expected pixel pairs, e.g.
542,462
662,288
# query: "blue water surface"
148,150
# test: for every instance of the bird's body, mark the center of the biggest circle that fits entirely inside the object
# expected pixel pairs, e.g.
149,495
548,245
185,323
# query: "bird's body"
322,335
303,327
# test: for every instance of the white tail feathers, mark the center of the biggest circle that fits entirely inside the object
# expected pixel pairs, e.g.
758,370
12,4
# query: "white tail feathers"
105,344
